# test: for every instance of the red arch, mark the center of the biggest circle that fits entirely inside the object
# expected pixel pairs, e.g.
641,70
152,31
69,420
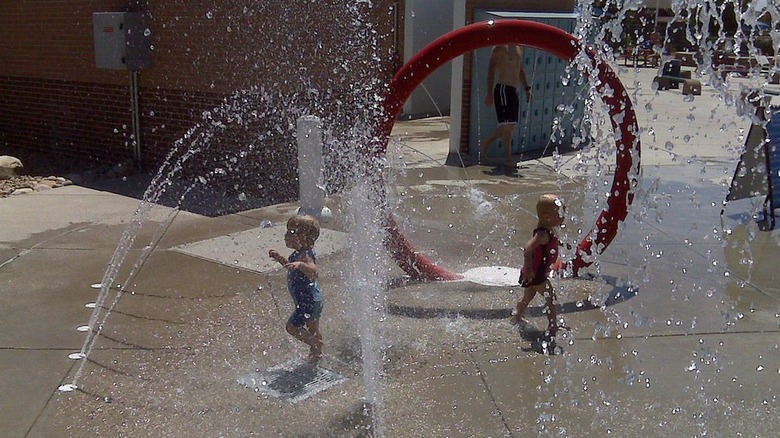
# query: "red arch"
560,44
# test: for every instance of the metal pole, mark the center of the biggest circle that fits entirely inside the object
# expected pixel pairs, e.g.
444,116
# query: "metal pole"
134,108
311,184
655,23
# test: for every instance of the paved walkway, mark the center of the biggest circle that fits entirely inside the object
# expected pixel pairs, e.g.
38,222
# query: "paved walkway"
681,341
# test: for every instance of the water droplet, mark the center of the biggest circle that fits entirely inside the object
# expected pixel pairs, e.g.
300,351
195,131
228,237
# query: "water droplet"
77,356
68,388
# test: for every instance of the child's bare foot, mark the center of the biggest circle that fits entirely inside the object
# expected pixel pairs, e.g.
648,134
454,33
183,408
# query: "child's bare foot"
553,329
518,320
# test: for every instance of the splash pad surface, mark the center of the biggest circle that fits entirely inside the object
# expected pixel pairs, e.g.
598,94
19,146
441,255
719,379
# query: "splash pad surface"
450,370
695,355
561,44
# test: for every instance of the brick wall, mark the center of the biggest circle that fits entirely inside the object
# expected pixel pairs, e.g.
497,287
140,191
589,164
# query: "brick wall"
77,118
305,57
51,96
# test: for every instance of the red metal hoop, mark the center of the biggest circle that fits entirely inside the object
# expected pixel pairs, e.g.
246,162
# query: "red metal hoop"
560,44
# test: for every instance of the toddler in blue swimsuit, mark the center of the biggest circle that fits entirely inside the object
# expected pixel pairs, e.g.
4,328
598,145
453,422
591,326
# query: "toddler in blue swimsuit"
302,272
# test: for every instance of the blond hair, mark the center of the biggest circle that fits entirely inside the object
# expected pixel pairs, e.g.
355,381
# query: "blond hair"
308,227
548,204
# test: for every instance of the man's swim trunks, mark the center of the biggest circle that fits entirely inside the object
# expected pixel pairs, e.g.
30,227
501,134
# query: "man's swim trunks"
507,103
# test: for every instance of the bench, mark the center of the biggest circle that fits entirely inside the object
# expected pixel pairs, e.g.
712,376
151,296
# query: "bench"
733,68
640,57
690,86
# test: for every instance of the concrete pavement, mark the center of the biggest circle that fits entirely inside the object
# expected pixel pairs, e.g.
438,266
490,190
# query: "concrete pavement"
682,339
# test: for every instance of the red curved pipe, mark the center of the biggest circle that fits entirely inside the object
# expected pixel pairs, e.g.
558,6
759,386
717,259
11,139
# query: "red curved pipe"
542,37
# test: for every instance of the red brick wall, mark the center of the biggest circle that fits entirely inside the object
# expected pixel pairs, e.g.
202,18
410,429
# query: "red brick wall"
52,39
53,98
77,118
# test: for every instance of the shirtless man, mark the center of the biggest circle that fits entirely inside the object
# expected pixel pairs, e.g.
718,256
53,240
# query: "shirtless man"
505,75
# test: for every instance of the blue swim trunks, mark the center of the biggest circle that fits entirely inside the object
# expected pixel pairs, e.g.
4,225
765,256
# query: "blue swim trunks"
305,312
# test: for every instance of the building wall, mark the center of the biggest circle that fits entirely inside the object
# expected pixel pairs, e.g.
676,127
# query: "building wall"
534,131
51,96
426,21
496,5
299,56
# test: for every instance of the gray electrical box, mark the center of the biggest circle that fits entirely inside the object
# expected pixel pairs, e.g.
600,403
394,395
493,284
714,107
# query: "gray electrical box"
122,40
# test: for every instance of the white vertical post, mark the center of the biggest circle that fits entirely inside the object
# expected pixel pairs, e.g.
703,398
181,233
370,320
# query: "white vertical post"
408,43
311,184
456,86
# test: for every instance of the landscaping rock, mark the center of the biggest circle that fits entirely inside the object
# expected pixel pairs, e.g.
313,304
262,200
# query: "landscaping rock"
10,167
23,191
42,170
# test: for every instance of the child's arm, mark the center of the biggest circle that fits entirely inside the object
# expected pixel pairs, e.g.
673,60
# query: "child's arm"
274,254
307,266
540,238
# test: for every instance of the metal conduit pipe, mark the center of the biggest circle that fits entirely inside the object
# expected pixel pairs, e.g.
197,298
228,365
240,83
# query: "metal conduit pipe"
136,115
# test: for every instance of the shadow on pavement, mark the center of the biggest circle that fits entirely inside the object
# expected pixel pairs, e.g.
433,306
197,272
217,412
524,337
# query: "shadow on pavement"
203,199
615,296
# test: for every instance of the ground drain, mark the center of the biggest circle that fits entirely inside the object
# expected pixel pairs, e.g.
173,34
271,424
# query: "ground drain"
292,381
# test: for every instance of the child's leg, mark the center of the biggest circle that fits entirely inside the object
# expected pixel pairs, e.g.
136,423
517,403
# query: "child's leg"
300,333
551,310
315,339
309,335
528,294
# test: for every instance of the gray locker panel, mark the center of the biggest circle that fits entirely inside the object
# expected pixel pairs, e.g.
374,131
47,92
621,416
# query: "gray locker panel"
544,72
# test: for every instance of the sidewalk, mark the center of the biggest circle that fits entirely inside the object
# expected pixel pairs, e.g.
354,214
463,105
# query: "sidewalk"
682,339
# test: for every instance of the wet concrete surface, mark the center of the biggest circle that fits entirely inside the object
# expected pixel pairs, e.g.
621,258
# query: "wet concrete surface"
673,330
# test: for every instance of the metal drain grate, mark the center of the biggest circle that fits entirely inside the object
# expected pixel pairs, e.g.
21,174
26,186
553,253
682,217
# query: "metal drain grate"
293,381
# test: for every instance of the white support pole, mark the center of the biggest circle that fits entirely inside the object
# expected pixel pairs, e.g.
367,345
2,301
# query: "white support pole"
456,86
409,49
311,184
